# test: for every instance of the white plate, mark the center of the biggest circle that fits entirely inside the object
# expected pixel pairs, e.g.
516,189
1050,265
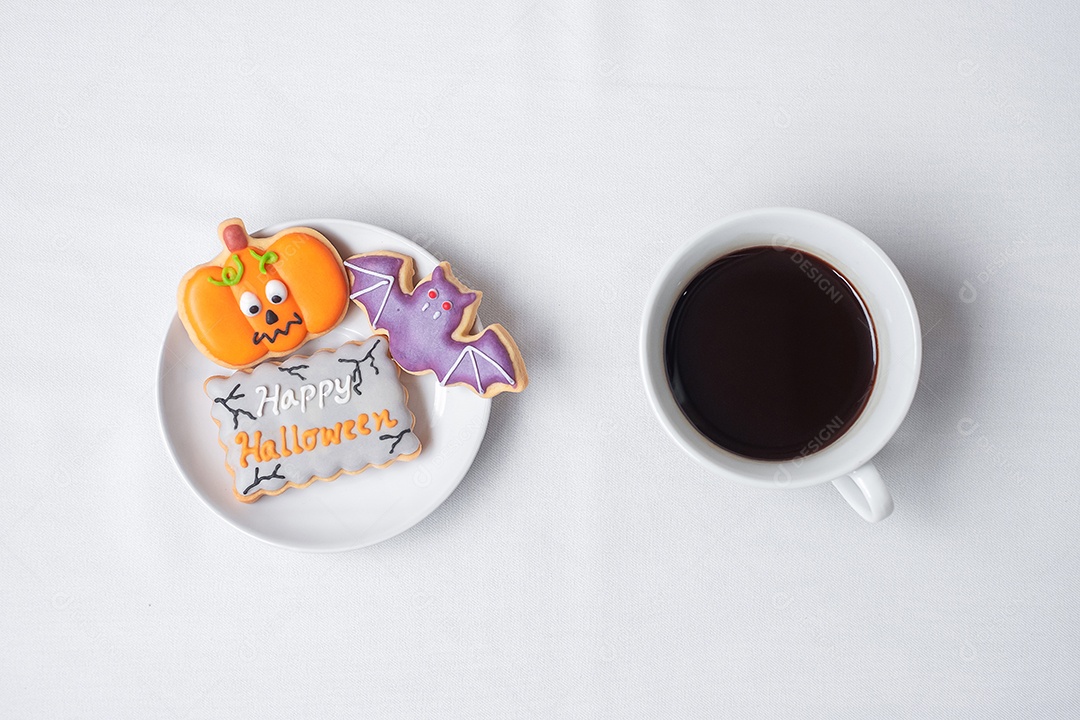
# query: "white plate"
353,511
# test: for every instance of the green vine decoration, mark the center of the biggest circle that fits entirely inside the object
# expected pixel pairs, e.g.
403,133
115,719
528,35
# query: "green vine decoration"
269,257
230,275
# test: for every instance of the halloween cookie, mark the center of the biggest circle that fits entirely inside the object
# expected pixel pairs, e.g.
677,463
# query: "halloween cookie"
288,424
263,297
429,327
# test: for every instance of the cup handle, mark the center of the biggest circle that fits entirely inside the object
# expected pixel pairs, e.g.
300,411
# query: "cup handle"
865,491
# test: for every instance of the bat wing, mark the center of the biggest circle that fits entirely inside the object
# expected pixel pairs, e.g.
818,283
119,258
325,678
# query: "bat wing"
374,279
483,363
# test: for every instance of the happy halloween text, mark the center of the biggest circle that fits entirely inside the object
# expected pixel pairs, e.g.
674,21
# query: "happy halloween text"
291,439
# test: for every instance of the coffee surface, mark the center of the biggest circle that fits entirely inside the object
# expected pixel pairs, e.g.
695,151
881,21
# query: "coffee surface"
770,353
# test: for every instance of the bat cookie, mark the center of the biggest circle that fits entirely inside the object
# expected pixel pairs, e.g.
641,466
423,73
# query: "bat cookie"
263,297
429,326
288,424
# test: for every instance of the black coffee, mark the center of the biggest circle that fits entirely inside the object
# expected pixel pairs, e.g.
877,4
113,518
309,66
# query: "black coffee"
770,353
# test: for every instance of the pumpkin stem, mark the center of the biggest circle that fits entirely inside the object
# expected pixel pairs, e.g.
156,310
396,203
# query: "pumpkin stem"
233,234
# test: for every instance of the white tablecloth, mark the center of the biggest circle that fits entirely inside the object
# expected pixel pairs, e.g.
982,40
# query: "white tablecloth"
556,153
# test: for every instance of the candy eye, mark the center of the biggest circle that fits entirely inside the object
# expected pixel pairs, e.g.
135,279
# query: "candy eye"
250,304
433,294
276,292
446,305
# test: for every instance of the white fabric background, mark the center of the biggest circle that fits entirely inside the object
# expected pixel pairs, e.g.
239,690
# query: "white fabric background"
584,568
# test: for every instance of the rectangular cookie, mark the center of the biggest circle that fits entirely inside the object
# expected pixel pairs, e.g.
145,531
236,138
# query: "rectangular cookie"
288,424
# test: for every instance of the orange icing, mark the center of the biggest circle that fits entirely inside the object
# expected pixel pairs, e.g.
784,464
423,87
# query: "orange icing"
245,449
306,263
261,450
383,418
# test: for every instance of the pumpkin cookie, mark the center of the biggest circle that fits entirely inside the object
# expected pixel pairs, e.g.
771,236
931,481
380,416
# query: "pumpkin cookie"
263,297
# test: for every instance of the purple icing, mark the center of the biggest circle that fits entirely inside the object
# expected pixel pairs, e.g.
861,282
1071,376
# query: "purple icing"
420,328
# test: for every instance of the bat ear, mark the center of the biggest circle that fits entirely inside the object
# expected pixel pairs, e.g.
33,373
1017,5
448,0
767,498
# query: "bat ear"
438,273
468,298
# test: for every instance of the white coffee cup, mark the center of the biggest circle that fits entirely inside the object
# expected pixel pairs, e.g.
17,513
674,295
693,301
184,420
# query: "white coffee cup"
847,461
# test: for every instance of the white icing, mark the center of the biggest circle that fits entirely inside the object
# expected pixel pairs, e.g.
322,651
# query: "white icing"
269,399
307,393
326,389
343,390
338,388
250,303
276,292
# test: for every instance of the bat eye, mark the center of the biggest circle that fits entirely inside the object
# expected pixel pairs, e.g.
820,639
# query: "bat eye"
276,292
446,305
250,304
433,294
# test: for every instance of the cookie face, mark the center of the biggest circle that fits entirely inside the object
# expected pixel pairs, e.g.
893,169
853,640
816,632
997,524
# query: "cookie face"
263,297
288,424
429,326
